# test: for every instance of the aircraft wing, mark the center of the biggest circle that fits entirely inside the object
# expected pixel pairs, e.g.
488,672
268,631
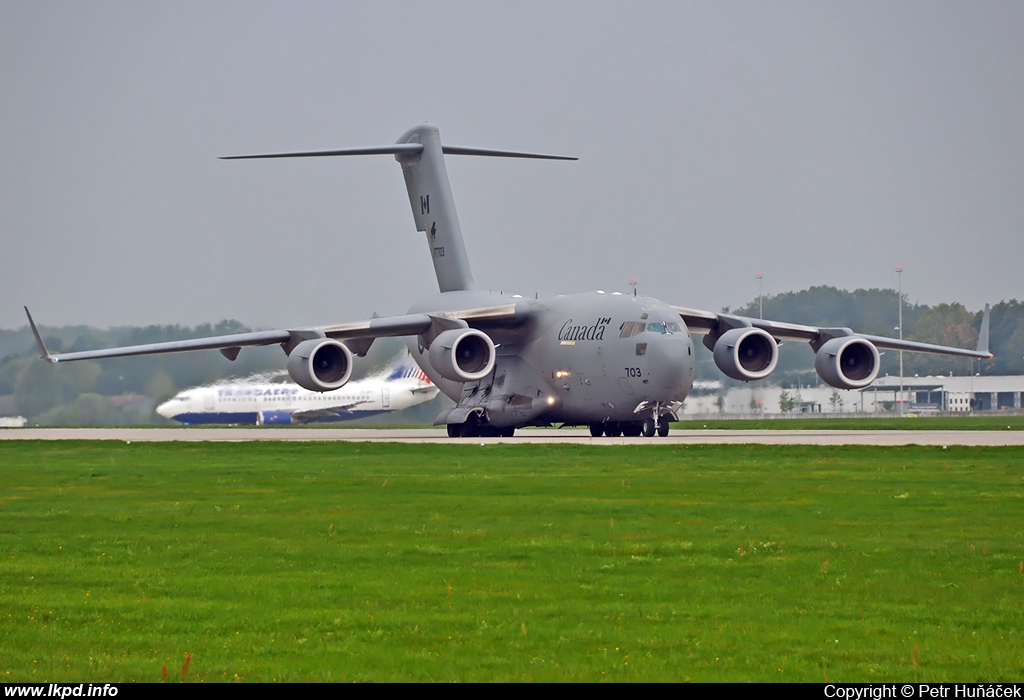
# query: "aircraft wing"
360,334
713,324
320,413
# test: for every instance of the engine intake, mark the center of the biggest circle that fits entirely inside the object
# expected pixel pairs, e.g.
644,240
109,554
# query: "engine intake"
746,354
462,354
847,363
320,364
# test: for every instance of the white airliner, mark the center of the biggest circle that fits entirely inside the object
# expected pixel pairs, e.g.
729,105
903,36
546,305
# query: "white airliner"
265,403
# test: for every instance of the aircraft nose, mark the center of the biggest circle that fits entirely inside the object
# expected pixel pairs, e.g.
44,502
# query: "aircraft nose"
165,409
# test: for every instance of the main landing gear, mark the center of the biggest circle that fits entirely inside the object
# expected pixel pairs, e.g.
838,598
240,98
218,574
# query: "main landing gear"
473,427
647,427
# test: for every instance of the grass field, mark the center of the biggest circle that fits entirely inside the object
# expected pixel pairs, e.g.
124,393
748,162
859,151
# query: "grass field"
347,561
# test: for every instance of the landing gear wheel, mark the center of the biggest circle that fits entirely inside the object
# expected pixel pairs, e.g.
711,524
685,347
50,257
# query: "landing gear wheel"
471,428
612,429
596,430
455,430
649,427
663,426
507,432
632,428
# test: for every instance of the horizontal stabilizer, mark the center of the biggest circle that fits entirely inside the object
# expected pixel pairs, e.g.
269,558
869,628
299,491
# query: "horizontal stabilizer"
463,151
394,149
421,154
403,149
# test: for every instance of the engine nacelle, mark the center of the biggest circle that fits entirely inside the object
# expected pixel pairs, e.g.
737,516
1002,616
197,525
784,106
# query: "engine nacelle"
746,354
320,364
847,363
273,418
462,354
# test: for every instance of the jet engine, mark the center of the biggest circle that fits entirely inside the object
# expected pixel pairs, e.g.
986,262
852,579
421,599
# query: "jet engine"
847,363
462,354
320,364
746,354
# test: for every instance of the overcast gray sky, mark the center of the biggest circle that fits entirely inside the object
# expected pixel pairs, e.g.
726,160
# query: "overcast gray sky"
819,142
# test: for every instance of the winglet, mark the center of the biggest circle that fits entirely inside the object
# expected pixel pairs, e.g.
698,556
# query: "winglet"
983,333
39,341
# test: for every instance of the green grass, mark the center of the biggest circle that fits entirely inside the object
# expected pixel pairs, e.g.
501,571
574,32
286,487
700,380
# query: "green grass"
347,561
987,422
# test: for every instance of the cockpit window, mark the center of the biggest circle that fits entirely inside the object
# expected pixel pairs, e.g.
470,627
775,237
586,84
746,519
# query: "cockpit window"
631,328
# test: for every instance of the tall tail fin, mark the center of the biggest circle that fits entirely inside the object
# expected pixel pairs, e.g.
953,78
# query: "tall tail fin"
433,208
421,155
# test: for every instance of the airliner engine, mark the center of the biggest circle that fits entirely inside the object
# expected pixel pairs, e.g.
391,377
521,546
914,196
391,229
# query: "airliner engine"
847,363
320,364
462,354
746,354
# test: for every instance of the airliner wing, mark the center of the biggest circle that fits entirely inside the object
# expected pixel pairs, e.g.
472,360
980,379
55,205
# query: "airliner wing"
710,323
360,333
315,414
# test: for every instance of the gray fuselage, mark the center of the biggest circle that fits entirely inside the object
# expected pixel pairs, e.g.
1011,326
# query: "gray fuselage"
592,357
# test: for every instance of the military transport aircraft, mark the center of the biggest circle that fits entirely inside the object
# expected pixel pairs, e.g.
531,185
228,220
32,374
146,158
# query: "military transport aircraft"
620,364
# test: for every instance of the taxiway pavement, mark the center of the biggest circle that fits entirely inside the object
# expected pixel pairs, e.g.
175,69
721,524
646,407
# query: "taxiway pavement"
988,438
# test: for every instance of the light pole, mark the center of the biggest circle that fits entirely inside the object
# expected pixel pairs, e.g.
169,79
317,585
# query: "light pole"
899,277
760,297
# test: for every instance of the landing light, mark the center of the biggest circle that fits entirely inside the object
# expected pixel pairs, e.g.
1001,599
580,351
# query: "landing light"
551,401
562,373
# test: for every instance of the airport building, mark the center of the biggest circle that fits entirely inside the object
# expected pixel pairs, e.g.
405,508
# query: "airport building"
952,394
919,394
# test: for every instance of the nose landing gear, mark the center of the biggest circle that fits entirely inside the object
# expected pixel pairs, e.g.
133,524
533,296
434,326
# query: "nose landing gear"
663,426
